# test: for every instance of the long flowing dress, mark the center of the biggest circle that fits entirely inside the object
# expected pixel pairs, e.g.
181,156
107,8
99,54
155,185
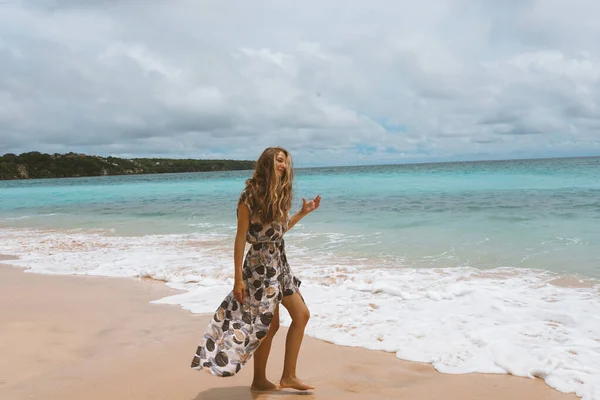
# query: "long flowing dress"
236,330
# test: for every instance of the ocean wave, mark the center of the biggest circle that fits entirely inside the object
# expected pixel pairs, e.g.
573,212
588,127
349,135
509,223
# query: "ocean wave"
505,320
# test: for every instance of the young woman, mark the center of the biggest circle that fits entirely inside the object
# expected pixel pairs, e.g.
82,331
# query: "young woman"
248,317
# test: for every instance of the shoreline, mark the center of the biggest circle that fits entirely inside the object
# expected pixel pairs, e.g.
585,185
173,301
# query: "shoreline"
72,337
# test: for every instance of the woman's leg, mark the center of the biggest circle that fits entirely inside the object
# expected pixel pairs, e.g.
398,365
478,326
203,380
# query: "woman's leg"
300,315
261,355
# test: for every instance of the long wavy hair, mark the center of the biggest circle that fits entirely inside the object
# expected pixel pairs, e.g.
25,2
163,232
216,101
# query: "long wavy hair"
270,196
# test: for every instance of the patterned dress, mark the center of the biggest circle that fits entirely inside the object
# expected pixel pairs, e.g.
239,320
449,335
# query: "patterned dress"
236,330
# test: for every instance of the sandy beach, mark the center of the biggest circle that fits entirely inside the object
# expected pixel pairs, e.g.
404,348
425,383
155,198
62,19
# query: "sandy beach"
81,337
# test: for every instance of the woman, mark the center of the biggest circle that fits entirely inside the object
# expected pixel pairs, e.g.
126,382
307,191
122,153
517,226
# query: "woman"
248,318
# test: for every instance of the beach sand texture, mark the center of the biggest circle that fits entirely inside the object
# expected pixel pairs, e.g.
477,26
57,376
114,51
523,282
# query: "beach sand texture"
81,337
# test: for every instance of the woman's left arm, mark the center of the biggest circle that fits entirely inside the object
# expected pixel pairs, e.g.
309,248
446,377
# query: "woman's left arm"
307,208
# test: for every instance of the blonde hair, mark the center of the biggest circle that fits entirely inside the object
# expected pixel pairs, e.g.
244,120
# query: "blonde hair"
270,196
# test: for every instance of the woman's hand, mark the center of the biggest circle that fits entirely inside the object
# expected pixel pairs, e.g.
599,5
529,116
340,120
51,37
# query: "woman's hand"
239,291
307,208
310,206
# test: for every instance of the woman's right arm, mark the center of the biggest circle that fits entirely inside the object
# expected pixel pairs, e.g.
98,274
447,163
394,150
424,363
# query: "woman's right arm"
243,223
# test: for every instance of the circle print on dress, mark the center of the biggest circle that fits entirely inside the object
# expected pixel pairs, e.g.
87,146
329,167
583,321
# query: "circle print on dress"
221,359
271,291
261,334
210,344
246,317
239,336
219,315
266,318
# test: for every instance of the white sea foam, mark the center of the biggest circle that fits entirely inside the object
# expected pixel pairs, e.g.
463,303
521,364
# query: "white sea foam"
461,320
17,218
25,217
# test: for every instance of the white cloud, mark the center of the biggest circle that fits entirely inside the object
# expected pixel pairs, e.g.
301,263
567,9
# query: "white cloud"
337,83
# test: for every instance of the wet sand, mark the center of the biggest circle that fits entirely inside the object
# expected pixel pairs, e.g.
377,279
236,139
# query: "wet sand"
80,337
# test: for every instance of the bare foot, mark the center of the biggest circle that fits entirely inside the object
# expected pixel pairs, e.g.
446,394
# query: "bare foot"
294,383
263,386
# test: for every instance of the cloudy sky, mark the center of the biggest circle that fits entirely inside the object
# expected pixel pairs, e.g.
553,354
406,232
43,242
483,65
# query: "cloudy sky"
336,82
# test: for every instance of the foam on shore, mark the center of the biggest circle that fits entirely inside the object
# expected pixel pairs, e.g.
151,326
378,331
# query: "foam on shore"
505,320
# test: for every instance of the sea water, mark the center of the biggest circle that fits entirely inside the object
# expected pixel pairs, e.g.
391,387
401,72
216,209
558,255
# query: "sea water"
471,266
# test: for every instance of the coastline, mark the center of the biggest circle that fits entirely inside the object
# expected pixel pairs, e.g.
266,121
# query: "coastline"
36,165
72,337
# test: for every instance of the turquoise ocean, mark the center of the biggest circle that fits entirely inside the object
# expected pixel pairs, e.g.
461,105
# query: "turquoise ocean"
472,266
